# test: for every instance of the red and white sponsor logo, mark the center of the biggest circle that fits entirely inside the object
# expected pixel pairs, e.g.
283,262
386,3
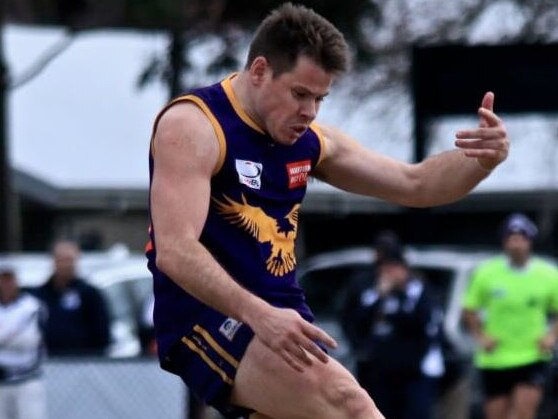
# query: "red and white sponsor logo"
298,173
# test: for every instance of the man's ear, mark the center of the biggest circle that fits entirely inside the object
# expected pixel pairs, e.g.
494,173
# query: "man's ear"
258,70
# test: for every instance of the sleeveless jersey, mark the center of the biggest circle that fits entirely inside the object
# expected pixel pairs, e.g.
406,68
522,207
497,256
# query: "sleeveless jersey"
252,220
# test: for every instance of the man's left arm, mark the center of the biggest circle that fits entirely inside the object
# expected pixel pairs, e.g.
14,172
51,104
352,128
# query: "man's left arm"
548,342
440,179
99,319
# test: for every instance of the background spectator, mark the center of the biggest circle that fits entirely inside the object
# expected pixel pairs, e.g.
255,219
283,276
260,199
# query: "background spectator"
505,309
78,320
400,340
22,391
384,242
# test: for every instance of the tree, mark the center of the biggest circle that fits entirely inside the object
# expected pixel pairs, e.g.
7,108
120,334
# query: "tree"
5,179
188,22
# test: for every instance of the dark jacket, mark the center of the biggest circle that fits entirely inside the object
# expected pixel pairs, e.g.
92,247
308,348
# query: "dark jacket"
78,320
394,332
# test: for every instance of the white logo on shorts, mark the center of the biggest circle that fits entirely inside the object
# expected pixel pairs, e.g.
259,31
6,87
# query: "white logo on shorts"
249,173
229,328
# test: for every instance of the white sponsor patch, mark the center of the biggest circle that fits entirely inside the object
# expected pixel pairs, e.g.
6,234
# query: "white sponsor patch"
229,328
249,173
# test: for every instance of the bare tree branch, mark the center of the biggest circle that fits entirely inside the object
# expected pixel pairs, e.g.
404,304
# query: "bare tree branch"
42,62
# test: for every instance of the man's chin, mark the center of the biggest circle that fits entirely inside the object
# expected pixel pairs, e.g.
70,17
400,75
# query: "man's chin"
288,139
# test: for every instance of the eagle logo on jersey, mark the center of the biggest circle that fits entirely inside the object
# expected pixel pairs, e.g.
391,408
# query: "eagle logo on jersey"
265,229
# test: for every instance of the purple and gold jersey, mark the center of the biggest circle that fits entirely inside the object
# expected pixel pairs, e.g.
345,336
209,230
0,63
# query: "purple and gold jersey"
252,223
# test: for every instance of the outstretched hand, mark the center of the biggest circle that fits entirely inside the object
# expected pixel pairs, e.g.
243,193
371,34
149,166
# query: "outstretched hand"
488,143
286,333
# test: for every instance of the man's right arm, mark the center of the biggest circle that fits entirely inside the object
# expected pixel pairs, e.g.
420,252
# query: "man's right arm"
185,152
473,324
473,301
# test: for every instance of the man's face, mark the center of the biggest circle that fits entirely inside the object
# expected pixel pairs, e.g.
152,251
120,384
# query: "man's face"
286,105
65,256
517,246
395,272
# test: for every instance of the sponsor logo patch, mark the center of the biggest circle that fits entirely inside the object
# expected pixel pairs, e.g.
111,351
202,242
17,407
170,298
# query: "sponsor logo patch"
229,328
298,173
249,173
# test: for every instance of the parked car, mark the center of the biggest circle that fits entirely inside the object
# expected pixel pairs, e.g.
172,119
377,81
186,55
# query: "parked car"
122,277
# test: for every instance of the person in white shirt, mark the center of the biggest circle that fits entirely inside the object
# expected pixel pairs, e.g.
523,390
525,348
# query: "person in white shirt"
22,390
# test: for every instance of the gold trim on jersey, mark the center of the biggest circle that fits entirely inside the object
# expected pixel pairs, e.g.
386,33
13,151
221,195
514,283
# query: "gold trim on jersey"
208,360
212,119
227,87
218,348
318,131
218,130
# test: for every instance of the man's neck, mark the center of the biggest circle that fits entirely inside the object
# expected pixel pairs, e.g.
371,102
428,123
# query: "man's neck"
519,262
239,85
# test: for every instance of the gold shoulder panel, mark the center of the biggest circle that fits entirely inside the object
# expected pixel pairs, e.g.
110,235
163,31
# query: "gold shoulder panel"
212,119
314,126
227,87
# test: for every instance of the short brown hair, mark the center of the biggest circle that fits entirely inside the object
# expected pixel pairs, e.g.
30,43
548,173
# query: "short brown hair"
293,30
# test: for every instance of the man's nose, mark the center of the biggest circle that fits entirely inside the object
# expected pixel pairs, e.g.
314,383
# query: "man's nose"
309,109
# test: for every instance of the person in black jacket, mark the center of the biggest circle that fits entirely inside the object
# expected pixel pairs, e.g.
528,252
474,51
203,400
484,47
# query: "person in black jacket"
399,329
78,320
384,242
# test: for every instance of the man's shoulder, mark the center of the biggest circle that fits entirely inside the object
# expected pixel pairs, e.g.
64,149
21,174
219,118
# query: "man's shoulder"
40,291
544,265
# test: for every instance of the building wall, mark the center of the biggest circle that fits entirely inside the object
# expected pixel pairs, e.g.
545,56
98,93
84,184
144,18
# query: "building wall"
100,230
323,231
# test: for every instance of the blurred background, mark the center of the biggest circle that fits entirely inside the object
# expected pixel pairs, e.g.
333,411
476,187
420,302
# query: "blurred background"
81,82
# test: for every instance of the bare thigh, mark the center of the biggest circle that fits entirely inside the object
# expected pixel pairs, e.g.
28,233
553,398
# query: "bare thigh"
497,407
526,400
265,383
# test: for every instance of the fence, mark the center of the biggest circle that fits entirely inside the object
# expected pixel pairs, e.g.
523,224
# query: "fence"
95,388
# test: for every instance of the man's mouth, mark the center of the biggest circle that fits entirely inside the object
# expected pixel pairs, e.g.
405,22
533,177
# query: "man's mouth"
300,129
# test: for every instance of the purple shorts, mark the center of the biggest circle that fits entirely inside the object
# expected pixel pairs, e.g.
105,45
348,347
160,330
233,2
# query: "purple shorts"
207,359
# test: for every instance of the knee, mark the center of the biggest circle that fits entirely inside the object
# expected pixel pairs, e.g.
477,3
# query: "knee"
350,399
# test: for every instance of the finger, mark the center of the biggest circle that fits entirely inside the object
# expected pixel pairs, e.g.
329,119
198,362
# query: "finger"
481,144
489,117
300,353
481,133
487,105
488,101
316,351
317,334
489,154
291,361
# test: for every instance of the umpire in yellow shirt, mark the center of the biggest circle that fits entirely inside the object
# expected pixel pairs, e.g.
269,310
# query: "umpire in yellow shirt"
506,309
